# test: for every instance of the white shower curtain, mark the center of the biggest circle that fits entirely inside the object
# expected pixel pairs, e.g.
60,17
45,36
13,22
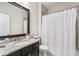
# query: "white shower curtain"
58,32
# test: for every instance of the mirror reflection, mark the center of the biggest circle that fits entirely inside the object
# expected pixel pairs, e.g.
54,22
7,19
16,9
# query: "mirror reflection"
13,20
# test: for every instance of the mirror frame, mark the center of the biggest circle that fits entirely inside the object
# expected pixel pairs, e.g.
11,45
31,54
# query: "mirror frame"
28,11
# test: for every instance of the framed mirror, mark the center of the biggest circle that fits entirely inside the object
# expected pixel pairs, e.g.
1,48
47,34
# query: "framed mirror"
14,19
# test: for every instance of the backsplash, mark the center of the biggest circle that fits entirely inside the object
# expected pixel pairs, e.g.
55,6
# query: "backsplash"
17,38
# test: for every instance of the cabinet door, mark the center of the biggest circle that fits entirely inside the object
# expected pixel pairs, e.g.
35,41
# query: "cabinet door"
25,51
35,45
16,53
35,49
34,52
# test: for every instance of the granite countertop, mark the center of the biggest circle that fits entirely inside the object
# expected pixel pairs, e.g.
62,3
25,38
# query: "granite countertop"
14,46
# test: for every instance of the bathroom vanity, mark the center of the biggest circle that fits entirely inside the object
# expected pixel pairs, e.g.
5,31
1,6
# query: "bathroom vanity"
31,50
22,48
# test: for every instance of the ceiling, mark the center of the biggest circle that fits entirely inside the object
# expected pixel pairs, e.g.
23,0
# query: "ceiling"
49,5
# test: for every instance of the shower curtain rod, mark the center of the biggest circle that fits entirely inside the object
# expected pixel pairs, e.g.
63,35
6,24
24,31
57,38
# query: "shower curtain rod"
77,6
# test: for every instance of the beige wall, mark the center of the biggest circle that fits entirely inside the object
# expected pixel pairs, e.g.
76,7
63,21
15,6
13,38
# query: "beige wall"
62,7
35,17
44,10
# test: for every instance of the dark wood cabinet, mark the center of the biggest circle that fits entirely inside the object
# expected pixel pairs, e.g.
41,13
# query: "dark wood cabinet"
16,53
31,50
35,49
26,51
34,52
